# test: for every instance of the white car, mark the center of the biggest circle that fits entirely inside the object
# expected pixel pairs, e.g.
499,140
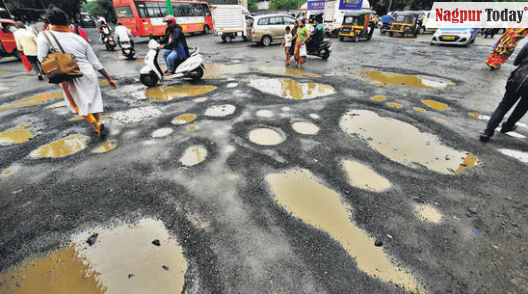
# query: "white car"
461,36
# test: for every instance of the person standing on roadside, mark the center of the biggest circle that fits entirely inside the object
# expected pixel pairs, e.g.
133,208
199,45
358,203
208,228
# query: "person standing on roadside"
27,43
82,94
294,40
287,42
300,49
516,87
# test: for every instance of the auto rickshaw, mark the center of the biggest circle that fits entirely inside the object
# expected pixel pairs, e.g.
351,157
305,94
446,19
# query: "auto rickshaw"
406,23
357,25
314,16
8,45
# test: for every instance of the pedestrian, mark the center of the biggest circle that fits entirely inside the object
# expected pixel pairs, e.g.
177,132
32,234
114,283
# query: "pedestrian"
74,28
503,49
27,43
300,48
287,42
516,87
294,39
82,94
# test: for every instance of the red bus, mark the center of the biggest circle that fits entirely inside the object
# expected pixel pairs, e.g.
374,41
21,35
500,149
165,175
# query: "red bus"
144,17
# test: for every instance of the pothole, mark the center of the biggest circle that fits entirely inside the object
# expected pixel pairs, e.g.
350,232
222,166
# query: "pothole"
305,128
290,89
105,147
184,119
167,93
220,110
19,134
32,101
381,78
163,132
436,105
364,177
265,113
428,213
61,148
402,142
193,155
265,137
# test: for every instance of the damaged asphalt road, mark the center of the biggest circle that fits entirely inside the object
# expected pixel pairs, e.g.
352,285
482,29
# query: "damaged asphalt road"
259,179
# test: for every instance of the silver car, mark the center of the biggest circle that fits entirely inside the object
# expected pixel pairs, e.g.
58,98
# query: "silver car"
269,28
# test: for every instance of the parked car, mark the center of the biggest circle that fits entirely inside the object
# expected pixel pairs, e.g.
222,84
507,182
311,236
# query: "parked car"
460,36
87,21
269,28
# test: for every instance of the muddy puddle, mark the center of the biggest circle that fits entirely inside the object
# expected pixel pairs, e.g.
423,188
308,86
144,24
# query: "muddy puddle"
436,105
16,135
418,109
220,110
402,142
193,155
32,101
301,193
265,137
265,113
364,177
200,100
215,70
438,119
381,78
163,132
305,128
105,147
184,119
519,155
428,213
167,93
57,105
378,98
61,148
291,89
394,105
59,272
9,171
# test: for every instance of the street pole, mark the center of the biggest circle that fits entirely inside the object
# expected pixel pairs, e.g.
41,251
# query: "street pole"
390,4
169,8
8,12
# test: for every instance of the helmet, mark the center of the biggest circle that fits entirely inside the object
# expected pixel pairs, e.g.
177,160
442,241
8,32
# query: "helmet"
170,20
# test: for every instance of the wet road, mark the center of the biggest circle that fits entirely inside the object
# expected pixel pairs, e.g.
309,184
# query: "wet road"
362,173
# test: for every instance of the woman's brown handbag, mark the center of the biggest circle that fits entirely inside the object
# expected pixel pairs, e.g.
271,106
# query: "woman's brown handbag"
59,66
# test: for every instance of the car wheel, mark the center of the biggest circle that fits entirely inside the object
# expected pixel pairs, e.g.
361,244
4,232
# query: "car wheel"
266,40
422,30
229,38
356,38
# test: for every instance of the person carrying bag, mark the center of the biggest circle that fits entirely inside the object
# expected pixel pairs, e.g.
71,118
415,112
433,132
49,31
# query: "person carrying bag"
59,66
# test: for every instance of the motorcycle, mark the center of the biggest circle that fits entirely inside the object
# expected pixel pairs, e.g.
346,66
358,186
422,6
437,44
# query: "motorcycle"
151,73
128,49
321,49
109,42
385,27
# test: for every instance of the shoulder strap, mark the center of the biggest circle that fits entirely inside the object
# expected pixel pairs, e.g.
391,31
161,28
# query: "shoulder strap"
57,41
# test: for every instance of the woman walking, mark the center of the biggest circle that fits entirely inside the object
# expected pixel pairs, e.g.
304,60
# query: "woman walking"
82,94
503,49
300,49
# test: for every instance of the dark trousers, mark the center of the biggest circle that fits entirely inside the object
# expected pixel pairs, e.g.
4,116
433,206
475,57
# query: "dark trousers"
509,99
33,60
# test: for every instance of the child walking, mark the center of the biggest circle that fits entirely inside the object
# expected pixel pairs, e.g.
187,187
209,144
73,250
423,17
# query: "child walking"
287,43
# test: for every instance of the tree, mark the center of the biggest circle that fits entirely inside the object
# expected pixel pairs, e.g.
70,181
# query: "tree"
104,8
71,7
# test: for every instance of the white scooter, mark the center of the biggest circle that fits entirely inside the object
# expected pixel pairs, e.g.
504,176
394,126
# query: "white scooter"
151,73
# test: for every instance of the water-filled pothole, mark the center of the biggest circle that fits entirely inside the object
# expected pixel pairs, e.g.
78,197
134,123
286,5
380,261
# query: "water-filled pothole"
167,93
381,78
16,135
61,148
291,89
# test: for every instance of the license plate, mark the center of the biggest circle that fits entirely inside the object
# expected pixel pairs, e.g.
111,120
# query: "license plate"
448,38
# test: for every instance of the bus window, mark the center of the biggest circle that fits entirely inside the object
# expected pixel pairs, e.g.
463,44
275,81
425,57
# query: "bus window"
153,9
124,11
142,9
205,9
177,9
163,8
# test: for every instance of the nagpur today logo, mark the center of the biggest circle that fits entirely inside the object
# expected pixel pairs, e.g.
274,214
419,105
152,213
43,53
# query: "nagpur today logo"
478,15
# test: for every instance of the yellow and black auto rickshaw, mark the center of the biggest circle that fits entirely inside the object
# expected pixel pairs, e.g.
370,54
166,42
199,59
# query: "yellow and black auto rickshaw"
357,25
406,23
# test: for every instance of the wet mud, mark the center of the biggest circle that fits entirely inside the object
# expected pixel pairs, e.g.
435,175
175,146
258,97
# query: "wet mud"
61,148
302,194
105,147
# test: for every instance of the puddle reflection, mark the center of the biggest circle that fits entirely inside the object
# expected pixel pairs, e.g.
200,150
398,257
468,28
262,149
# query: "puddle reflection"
167,93
381,78
436,105
290,89
61,148
31,101
16,135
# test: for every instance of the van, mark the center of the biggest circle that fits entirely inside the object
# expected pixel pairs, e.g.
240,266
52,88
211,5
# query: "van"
230,21
334,14
269,28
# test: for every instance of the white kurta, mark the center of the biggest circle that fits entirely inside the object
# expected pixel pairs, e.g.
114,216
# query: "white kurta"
84,90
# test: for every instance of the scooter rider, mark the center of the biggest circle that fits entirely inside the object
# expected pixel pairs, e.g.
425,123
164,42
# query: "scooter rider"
104,30
176,50
123,34
317,36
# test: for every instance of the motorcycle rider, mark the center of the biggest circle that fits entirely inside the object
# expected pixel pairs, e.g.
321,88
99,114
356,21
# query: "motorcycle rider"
317,36
176,50
123,34
104,30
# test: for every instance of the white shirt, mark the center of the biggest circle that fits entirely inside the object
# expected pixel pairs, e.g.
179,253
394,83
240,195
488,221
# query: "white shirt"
288,40
26,42
122,34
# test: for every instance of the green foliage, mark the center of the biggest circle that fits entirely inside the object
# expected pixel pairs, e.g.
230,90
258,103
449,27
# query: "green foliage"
104,8
71,7
286,5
